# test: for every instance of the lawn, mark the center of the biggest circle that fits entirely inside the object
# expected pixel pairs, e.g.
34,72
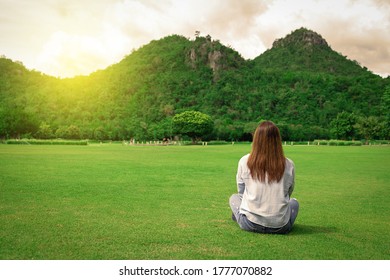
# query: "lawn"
145,202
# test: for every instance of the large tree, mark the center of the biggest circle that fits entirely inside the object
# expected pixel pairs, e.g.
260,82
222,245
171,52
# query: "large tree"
343,126
193,124
370,127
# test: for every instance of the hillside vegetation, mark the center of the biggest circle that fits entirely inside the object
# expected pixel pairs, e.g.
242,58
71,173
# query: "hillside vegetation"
308,89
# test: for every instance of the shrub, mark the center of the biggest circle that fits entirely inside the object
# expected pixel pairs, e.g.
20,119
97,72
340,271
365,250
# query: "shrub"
218,142
46,142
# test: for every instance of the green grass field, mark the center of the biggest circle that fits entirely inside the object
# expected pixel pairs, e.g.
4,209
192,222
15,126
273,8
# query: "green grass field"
137,202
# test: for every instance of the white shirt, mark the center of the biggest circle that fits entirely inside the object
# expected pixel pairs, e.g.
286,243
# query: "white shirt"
264,203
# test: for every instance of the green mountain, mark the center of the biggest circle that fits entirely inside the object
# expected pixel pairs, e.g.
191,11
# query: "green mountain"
305,50
304,82
300,83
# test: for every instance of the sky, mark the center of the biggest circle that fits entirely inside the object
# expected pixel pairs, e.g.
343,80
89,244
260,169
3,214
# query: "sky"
65,38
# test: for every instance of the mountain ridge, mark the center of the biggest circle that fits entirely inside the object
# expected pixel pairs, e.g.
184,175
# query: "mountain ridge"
300,83
305,49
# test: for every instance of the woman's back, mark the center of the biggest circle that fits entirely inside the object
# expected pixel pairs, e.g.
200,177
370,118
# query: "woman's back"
265,182
264,202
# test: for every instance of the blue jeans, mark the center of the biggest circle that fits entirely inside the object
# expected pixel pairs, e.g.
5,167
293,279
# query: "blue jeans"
245,224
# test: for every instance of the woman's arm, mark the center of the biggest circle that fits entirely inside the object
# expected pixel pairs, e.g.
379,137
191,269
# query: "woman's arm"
291,189
239,180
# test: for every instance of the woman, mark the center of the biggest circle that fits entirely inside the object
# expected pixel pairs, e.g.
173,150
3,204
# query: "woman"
265,182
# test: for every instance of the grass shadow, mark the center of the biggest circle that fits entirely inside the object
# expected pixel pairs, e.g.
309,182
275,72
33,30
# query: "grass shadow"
308,229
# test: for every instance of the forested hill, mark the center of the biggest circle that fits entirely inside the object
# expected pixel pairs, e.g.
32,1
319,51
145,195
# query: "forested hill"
300,83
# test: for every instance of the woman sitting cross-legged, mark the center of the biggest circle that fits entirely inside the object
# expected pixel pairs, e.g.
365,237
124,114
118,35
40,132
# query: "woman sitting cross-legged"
265,182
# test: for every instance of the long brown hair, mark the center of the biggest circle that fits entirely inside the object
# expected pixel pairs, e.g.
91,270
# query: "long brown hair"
267,157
